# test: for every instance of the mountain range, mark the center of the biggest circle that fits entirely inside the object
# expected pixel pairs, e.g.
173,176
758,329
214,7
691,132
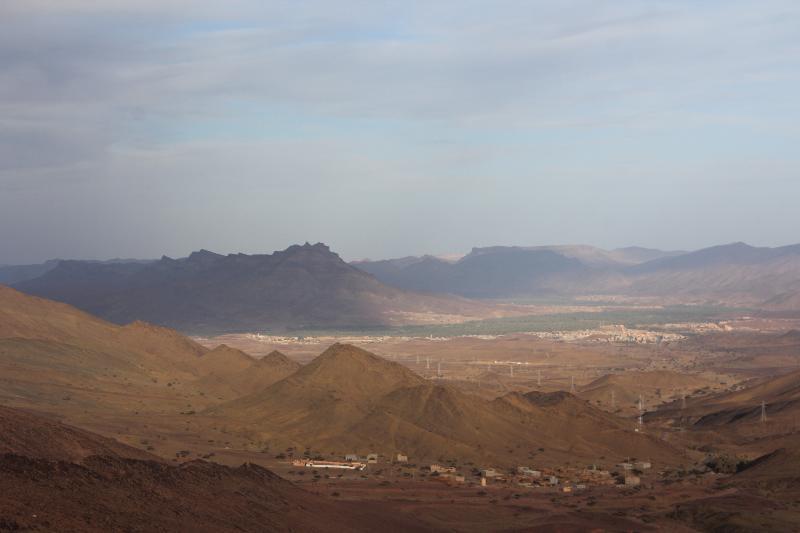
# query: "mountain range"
310,287
731,274
304,286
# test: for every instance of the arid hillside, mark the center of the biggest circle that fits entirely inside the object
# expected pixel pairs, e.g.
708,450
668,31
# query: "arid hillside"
345,399
349,400
54,477
56,357
229,373
620,393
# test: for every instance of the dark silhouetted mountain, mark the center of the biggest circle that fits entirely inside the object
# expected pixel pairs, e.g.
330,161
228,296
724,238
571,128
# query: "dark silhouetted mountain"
302,286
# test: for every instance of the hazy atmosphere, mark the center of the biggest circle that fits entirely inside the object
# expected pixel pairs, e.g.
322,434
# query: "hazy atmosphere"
423,266
135,129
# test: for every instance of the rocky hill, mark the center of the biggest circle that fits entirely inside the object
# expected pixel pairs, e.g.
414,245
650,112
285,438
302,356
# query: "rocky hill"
55,356
349,400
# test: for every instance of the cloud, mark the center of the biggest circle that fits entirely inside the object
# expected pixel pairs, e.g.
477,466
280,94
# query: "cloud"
442,97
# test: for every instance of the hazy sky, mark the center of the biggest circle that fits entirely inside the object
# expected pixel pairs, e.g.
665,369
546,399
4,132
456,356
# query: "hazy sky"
137,128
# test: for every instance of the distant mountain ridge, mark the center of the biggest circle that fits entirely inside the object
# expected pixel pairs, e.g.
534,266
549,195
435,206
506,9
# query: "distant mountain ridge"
10,274
311,287
735,273
302,286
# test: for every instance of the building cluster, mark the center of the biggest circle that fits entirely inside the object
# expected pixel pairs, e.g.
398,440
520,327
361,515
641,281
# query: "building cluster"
630,470
563,479
567,479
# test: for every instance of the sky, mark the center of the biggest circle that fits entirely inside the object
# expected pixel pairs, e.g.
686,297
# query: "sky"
137,128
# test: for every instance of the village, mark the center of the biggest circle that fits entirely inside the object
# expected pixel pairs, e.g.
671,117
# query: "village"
565,479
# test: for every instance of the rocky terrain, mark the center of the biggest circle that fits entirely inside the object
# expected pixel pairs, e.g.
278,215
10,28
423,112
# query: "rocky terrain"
54,477
118,427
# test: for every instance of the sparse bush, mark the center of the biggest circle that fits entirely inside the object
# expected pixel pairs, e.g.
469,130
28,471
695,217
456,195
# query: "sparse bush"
726,464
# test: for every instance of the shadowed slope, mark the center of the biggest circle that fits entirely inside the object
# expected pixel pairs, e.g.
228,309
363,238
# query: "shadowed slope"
116,488
35,436
778,469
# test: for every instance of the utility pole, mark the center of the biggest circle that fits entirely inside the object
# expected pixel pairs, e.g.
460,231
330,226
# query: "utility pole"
572,384
763,412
